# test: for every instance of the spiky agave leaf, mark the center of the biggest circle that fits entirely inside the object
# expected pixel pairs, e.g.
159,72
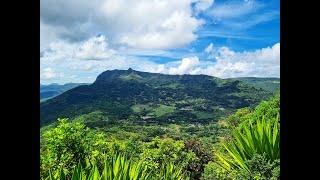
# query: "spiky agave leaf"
263,138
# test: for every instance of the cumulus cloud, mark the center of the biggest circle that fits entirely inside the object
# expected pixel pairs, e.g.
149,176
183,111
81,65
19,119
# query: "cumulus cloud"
186,66
95,48
86,58
84,38
226,63
175,31
264,62
141,24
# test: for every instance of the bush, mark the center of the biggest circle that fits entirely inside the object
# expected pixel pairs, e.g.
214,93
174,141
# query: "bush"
261,168
253,151
162,151
68,144
203,156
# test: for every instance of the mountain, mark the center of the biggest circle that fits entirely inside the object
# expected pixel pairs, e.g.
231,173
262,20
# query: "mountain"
52,90
144,97
268,84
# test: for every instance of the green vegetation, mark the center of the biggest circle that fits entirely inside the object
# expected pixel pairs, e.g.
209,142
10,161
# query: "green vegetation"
260,138
153,98
268,84
252,148
141,126
245,145
162,110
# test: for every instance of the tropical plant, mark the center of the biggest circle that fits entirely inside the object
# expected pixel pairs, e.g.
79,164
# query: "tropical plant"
171,172
118,167
261,137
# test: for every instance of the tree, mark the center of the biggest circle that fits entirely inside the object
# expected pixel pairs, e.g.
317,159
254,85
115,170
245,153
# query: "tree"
68,144
203,156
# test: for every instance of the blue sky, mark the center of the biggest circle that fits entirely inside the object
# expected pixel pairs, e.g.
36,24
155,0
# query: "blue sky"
224,38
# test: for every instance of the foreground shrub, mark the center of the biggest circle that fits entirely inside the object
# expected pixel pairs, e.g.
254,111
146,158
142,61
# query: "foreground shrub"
68,144
253,149
260,169
120,167
263,137
159,152
203,156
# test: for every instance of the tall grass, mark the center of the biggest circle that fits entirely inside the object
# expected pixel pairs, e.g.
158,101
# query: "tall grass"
171,172
261,137
119,167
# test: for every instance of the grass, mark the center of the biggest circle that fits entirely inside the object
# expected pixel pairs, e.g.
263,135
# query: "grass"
163,110
131,77
204,115
138,108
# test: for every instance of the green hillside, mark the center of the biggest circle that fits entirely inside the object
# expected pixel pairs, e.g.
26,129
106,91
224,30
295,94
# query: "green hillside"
151,98
244,145
268,84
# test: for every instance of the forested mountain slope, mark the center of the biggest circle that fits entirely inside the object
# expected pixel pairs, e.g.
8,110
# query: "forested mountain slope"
154,98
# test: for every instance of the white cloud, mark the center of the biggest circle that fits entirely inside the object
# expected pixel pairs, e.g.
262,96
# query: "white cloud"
49,73
210,51
264,62
143,24
203,5
239,15
234,9
91,57
186,66
175,31
95,48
